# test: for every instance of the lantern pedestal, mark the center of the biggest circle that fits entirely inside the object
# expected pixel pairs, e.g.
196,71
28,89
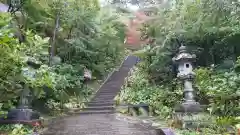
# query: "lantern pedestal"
192,106
193,120
22,116
187,113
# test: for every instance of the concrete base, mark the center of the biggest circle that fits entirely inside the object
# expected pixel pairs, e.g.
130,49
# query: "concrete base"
188,113
26,122
189,107
22,116
194,120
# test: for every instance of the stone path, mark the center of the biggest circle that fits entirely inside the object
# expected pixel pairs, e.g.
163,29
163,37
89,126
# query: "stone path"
97,124
99,118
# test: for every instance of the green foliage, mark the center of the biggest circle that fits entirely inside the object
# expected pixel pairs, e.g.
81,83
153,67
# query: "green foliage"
13,61
87,37
93,38
218,90
17,129
210,29
221,90
139,90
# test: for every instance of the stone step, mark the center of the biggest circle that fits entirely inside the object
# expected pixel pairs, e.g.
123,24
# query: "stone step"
97,112
115,77
102,100
106,101
114,82
109,88
108,91
101,103
106,94
93,108
104,97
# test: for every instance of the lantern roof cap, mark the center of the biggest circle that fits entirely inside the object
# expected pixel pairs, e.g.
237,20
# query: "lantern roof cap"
184,55
182,48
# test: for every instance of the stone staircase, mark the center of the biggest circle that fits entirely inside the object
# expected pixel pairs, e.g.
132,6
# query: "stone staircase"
103,101
95,121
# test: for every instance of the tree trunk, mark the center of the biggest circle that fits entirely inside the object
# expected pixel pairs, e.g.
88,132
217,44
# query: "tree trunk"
52,51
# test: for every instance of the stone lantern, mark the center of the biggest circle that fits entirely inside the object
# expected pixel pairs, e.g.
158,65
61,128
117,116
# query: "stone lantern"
185,60
23,113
